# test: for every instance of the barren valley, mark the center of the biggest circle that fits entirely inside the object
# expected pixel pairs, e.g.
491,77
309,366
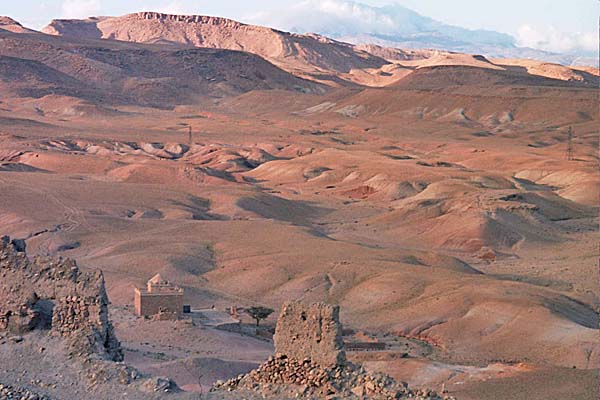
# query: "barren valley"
429,194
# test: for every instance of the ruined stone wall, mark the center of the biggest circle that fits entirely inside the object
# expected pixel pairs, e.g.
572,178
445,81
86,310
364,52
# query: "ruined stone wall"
310,363
310,331
148,304
53,292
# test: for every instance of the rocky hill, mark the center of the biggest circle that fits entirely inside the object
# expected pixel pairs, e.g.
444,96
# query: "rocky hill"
9,24
303,53
34,65
446,202
309,56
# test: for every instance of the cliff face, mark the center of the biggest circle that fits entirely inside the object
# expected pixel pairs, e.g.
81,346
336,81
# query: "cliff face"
301,53
52,293
9,24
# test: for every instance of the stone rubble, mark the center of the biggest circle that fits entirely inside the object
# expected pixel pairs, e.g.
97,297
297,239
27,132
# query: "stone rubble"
54,294
159,384
310,363
281,374
8,392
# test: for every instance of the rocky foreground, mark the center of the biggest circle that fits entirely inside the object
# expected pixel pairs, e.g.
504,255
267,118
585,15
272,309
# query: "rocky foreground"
48,293
55,321
281,375
311,362
8,392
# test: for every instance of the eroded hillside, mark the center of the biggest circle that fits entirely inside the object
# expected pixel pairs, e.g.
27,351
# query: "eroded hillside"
436,204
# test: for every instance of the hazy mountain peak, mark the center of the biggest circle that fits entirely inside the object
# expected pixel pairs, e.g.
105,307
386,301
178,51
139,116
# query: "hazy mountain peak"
348,18
398,26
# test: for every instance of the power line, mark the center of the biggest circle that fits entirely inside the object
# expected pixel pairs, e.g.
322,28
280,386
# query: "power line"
569,152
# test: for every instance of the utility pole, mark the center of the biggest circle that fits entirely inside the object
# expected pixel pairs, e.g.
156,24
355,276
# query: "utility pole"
569,153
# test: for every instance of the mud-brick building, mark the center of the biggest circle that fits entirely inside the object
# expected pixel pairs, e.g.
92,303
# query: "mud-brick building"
159,298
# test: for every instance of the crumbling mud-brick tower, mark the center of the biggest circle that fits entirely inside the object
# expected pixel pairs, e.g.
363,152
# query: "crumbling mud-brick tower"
54,294
310,331
160,297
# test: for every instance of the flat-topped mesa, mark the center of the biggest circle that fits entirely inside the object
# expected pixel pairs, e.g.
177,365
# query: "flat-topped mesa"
298,53
310,331
53,293
198,19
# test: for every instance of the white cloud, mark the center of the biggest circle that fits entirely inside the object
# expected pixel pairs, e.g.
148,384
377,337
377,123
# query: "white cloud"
329,16
347,19
80,8
551,39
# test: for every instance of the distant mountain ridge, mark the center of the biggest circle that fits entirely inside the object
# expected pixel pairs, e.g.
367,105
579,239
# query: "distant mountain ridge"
404,23
398,26
299,53
487,50
309,56
34,65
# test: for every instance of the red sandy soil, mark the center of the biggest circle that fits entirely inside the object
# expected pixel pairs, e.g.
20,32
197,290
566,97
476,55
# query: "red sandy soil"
437,205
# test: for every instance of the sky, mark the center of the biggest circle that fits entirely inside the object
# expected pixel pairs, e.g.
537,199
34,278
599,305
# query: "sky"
564,26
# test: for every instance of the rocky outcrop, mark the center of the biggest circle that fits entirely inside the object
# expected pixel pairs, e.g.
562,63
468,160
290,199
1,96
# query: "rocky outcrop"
198,19
9,24
52,293
103,74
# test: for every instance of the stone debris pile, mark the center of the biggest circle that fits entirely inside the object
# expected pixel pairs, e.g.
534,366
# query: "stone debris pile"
310,363
283,376
281,369
159,384
8,392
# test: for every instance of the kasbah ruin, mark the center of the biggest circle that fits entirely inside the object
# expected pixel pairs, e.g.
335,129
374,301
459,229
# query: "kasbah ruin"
160,299
53,295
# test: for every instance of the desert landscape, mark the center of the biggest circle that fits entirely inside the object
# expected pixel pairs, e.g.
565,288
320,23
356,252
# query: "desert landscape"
446,202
